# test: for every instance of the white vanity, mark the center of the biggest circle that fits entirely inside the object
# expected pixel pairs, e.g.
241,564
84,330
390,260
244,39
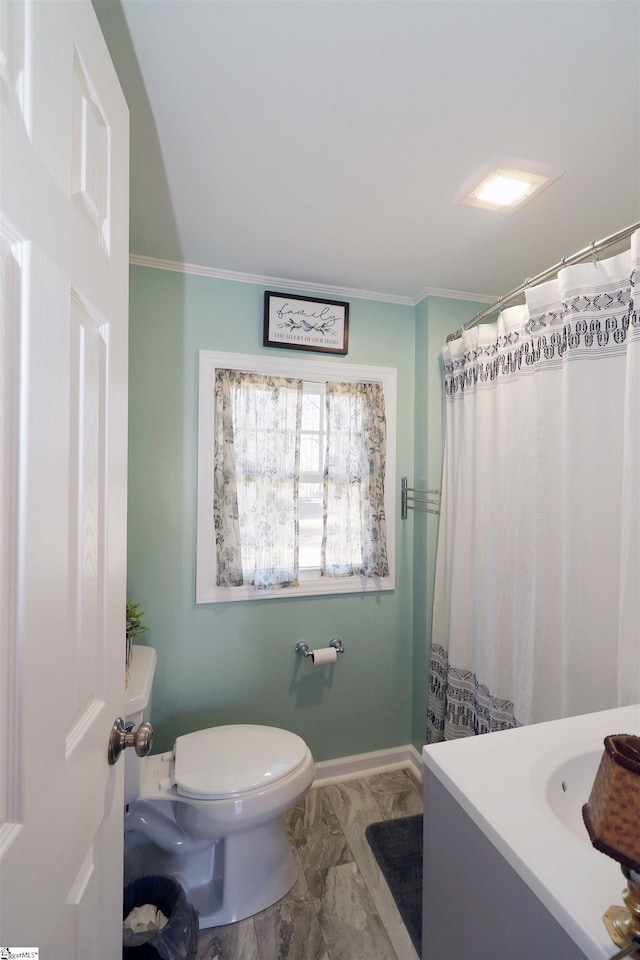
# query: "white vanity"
509,871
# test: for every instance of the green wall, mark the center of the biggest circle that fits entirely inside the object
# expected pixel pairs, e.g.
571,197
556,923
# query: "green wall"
235,662
425,527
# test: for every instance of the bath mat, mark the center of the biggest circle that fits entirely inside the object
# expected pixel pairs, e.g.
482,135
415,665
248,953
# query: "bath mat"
397,846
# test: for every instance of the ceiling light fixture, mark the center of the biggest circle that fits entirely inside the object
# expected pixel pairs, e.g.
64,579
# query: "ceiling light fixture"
506,183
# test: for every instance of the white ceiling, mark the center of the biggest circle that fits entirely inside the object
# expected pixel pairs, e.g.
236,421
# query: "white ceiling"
323,141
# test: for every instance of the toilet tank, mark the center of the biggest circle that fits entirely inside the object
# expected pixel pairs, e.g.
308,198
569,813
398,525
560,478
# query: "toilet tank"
137,709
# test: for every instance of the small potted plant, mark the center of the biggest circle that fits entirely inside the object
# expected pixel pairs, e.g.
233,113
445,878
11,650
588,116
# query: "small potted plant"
134,628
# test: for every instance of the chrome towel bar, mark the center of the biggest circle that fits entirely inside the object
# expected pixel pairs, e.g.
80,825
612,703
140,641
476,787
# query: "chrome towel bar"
428,504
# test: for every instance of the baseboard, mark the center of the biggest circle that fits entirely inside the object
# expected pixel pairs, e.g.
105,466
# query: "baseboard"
366,764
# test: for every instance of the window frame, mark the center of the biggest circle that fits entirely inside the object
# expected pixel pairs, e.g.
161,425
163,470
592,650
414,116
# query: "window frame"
207,590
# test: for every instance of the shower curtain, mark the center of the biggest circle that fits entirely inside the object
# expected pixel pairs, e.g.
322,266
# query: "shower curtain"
537,595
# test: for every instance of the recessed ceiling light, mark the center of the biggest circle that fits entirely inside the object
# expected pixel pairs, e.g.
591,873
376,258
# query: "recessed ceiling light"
504,190
505,183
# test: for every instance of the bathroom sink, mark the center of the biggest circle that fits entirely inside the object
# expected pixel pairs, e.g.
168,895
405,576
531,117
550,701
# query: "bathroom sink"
568,789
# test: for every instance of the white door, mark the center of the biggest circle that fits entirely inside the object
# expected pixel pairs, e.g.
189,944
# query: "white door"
63,400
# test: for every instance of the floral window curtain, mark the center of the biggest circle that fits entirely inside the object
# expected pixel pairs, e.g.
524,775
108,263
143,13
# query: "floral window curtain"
354,535
257,465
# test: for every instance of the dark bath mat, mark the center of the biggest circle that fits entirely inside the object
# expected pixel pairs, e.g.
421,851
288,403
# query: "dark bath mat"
397,846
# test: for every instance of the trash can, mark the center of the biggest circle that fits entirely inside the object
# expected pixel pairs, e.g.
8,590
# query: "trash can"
172,934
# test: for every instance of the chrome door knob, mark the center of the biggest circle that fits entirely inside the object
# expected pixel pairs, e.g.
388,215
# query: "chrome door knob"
141,739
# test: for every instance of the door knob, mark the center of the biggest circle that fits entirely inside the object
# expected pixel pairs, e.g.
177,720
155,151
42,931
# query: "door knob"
141,739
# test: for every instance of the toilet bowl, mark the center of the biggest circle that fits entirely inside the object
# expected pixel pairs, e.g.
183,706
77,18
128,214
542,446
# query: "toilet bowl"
209,814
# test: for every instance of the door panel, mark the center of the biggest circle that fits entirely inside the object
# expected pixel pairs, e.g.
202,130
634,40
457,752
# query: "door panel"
63,362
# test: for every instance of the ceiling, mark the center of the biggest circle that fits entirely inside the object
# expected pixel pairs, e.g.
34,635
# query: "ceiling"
321,143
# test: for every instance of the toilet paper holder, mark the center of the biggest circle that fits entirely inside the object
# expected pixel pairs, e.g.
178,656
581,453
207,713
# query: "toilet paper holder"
302,648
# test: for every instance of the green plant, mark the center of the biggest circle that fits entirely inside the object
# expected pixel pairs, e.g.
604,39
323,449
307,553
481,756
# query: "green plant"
134,619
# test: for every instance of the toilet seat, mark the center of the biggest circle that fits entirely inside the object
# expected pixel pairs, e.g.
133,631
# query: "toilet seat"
234,760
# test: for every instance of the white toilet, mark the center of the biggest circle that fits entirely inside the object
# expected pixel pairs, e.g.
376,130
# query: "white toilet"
208,813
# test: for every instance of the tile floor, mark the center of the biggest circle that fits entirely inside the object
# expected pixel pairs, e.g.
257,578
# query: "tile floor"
340,908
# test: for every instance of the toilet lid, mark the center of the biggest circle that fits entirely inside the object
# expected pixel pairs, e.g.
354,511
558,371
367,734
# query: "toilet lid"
232,760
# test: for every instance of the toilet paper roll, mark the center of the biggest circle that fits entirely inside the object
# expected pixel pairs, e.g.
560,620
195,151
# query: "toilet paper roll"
324,655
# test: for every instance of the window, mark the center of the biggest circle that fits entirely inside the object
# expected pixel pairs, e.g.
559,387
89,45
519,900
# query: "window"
261,470
312,451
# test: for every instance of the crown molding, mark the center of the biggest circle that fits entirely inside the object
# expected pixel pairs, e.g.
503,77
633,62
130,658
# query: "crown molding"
193,269
452,295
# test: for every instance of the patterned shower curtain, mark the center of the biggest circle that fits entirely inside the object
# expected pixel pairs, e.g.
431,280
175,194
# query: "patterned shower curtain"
537,596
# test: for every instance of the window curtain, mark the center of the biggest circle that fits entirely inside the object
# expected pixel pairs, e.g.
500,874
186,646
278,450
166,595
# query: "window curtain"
536,606
354,535
256,476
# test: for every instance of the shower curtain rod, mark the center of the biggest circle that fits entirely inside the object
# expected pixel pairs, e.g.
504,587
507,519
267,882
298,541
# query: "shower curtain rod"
592,250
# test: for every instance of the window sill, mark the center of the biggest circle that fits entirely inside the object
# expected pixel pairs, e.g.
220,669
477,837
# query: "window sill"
316,587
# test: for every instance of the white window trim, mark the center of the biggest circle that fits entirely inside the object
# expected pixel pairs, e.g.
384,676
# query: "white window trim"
207,591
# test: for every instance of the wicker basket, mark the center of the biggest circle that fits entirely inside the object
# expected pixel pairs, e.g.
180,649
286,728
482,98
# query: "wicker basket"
612,814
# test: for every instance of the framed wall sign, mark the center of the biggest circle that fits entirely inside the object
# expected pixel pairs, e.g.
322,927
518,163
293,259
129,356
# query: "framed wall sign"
303,324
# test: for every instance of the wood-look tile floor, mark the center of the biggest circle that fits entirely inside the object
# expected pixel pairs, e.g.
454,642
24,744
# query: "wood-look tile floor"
340,907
